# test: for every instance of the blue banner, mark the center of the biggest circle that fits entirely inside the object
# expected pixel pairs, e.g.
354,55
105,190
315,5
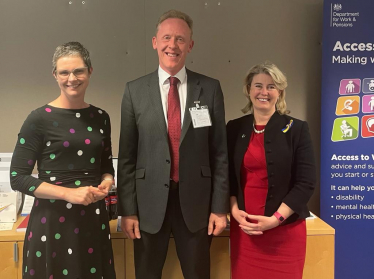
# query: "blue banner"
347,134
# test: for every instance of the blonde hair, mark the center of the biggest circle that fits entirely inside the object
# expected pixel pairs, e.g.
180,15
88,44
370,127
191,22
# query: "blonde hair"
280,82
175,14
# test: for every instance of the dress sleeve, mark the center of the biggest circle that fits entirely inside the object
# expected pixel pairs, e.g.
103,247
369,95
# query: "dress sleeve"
28,148
106,156
304,179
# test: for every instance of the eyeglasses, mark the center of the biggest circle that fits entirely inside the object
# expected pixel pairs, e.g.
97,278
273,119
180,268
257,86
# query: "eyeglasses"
78,73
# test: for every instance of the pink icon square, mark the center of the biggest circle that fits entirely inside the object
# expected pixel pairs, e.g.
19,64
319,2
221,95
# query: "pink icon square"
350,86
368,104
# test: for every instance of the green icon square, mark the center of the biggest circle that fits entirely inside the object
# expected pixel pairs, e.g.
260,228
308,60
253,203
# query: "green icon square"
345,128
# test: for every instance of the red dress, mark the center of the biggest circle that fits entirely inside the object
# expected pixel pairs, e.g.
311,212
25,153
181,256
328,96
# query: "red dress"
280,252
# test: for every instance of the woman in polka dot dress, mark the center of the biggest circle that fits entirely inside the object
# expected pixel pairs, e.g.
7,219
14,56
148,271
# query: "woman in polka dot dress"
68,233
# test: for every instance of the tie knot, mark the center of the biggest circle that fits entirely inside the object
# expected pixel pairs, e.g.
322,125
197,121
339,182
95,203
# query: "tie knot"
174,80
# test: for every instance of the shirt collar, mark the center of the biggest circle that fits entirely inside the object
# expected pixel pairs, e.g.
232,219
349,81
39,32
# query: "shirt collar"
164,76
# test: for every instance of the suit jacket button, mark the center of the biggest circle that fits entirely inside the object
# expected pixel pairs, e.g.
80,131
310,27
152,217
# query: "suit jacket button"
270,163
168,161
268,151
166,185
268,141
272,186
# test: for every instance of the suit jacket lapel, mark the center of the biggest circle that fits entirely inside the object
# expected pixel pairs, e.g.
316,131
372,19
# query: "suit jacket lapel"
193,94
274,126
155,96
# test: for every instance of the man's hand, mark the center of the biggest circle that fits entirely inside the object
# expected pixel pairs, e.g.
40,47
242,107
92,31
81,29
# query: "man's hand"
217,223
130,226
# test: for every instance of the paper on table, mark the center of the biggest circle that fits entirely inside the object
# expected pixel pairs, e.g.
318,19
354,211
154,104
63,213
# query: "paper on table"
5,186
6,226
5,159
4,166
27,205
3,156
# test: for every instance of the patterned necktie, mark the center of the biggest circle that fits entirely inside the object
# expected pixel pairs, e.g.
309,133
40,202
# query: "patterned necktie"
174,127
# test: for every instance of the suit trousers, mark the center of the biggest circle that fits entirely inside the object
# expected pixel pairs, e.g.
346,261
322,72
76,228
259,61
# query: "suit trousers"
193,249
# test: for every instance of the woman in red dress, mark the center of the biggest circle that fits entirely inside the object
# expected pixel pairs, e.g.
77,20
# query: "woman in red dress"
272,177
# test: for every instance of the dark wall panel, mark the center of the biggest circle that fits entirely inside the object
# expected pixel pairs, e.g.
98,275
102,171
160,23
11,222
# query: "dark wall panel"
230,36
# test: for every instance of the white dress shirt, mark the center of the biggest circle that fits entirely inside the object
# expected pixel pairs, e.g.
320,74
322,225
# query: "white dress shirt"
164,82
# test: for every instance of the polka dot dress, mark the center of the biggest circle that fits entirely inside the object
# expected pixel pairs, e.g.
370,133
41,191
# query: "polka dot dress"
72,148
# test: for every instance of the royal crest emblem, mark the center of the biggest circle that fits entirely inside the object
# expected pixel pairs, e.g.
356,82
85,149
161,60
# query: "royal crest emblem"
337,7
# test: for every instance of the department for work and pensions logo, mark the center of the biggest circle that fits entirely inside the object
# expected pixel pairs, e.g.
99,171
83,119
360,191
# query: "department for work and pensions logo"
337,7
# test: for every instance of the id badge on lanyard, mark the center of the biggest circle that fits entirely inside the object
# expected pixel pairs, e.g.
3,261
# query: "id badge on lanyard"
200,116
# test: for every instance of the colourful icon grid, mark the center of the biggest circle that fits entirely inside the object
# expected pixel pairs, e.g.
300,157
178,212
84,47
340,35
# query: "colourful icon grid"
346,126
